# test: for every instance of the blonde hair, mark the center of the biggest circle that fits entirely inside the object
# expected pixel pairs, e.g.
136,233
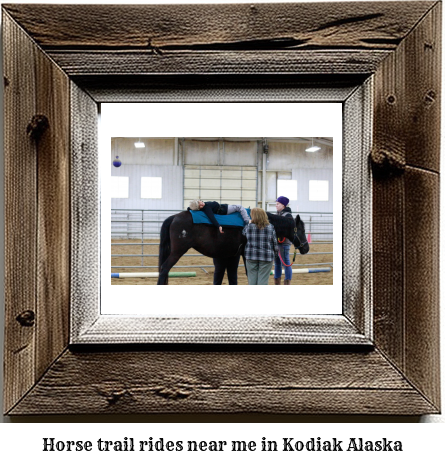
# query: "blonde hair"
259,217
194,205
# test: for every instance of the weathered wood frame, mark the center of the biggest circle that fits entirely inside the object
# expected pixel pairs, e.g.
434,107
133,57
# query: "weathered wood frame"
76,57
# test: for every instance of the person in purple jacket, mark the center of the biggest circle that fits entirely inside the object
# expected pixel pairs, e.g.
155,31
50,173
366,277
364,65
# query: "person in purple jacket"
283,209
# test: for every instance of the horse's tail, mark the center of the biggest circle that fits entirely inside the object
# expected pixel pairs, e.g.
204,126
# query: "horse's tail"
164,246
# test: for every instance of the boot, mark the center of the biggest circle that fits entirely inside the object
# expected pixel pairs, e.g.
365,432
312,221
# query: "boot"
287,282
277,281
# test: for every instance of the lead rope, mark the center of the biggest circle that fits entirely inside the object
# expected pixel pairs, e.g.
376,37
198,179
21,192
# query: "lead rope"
293,261
295,249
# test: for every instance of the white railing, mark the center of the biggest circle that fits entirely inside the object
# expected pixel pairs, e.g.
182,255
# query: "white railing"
143,225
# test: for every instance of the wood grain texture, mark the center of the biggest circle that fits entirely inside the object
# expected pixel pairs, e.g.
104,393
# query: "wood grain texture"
222,382
53,234
374,25
408,86
406,133
78,63
423,92
388,268
219,39
20,213
400,376
422,281
390,111
389,143
388,233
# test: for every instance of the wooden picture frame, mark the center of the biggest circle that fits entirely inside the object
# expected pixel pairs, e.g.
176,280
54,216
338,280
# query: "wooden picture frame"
75,57
91,321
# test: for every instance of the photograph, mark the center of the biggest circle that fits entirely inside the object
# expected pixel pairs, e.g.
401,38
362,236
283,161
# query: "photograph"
198,211
181,208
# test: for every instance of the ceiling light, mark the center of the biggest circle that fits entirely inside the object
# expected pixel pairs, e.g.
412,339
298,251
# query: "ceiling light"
139,145
313,148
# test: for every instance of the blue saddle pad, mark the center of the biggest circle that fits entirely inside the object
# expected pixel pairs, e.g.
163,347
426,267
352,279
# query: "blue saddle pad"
234,219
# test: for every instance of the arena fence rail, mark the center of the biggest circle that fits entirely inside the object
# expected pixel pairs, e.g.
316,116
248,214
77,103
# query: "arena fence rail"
145,225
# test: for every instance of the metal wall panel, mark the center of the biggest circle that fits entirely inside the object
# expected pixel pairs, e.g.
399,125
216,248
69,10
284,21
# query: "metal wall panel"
289,160
303,176
219,152
155,152
271,186
230,171
200,152
239,153
172,187
285,156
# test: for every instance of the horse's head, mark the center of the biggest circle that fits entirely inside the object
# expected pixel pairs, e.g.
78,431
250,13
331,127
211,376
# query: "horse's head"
300,241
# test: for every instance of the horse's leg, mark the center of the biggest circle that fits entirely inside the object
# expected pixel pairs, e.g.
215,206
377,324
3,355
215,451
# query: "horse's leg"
244,260
171,261
232,269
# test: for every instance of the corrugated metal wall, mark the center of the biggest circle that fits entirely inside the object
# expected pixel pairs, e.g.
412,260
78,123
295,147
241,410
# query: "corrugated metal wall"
289,160
285,156
286,160
172,178
220,152
303,176
155,152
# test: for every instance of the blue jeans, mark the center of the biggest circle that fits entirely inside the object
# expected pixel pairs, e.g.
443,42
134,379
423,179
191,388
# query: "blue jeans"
284,252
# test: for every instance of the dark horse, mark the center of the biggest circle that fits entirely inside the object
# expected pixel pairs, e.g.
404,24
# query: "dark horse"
179,234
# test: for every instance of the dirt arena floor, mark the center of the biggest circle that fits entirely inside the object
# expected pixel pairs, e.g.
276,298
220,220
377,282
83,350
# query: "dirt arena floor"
205,277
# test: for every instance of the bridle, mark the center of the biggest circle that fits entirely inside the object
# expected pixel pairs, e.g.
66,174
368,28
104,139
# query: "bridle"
302,244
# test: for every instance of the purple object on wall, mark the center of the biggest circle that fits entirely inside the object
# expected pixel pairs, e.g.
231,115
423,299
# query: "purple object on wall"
117,162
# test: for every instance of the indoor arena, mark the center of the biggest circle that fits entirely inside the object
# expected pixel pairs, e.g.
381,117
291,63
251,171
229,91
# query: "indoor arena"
155,178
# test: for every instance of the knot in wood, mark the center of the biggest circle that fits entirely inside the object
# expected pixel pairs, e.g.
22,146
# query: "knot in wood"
26,318
114,397
388,162
37,126
155,50
430,97
173,393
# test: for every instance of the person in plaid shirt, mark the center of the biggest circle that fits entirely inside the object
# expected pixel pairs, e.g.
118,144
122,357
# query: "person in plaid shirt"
261,248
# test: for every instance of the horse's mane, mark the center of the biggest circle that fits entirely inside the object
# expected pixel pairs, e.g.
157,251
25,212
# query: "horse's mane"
281,221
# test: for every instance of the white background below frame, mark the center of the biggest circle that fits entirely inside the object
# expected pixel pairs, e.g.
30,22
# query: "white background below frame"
227,120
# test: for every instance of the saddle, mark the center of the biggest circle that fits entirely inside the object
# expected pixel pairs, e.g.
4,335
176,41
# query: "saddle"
234,220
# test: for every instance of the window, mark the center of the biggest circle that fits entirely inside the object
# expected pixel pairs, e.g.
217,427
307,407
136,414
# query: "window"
119,187
318,191
287,188
151,188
